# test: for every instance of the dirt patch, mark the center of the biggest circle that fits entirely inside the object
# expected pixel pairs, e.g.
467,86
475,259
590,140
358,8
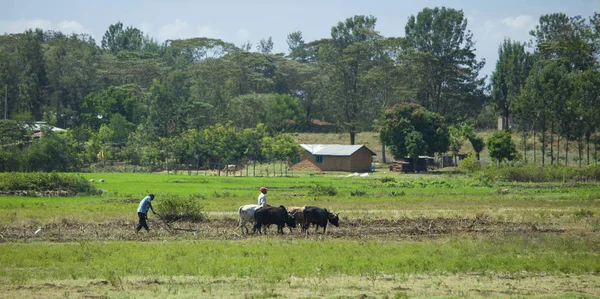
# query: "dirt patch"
226,229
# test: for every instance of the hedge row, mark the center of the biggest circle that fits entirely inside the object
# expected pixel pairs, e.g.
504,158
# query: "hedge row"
44,182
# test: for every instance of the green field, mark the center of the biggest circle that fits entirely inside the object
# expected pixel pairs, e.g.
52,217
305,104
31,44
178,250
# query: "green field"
400,236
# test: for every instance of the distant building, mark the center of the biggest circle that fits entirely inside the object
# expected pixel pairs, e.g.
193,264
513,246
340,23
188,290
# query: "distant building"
410,165
37,126
335,157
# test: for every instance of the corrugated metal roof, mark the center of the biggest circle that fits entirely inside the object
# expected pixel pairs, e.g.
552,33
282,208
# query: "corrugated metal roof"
333,149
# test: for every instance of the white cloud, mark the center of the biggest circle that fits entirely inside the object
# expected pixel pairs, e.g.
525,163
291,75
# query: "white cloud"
178,30
208,31
71,27
19,26
145,27
242,35
181,29
518,22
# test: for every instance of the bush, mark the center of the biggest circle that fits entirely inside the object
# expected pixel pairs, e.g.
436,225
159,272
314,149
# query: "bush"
397,193
44,182
388,179
501,147
592,171
323,190
533,173
470,164
357,193
174,208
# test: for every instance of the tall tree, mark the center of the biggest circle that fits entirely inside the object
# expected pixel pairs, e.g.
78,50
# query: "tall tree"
32,67
265,46
512,68
446,77
297,47
346,58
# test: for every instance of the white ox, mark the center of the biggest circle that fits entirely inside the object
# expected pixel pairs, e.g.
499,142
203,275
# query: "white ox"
246,213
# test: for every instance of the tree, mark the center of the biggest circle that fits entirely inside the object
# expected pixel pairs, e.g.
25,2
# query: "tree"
411,130
117,39
457,139
512,68
265,46
446,72
346,58
501,147
297,47
49,153
99,107
32,80
72,75
11,133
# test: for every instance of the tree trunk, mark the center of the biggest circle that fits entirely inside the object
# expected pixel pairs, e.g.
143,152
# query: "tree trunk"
534,149
566,151
557,149
580,149
352,135
383,153
587,142
543,147
253,167
525,146
552,144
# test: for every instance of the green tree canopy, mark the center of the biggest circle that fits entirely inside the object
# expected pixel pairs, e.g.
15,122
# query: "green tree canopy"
410,130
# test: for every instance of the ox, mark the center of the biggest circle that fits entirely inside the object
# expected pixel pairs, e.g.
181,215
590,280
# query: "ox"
298,214
273,215
246,213
320,217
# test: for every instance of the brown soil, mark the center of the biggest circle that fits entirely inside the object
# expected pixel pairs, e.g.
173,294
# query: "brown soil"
226,228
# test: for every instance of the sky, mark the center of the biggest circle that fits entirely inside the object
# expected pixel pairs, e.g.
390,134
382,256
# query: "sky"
238,21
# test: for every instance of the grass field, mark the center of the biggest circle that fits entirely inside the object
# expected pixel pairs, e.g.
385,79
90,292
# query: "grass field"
400,236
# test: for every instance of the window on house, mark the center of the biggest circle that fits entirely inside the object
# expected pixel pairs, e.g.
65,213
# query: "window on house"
319,159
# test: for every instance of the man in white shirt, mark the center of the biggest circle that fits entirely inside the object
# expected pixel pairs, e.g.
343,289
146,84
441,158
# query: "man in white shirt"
142,210
262,198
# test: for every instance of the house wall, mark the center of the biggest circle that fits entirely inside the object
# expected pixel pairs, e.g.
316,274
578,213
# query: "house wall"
360,161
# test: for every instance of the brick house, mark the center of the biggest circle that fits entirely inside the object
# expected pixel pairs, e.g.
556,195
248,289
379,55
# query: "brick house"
335,157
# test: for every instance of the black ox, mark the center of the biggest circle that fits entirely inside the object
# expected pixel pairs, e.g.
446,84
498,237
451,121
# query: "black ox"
319,217
273,215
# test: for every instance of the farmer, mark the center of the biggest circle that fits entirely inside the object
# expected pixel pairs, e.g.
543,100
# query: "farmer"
142,210
262,198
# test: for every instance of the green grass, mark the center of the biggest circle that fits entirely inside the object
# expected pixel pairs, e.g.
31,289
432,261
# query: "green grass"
273,260
415,196
496,264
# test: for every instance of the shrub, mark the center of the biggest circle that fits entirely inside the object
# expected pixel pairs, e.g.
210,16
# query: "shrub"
592,171
470,164
501,147
583,213
397,193
323,190
357,193
174,208
388,179
44,182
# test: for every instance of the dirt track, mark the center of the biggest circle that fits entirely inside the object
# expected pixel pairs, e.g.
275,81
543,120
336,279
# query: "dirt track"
226,229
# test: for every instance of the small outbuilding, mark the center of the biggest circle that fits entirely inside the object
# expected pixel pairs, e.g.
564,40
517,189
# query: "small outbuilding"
335,157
